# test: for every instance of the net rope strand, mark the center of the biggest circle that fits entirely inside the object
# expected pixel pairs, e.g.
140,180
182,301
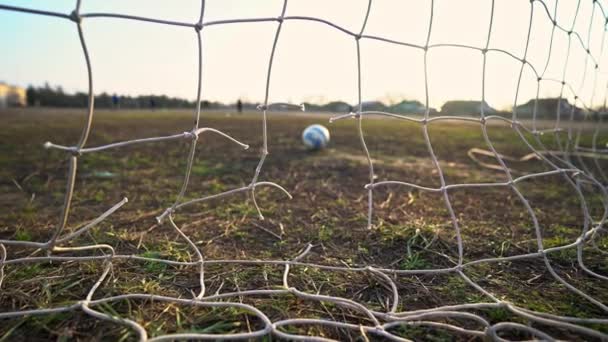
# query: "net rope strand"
578,165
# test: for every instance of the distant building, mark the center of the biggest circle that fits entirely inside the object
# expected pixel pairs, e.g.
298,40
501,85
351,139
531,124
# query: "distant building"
409,107
466,108
338,107
373,106
12,96
547,109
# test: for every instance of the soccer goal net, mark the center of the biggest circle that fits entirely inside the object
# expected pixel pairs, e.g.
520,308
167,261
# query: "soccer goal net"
564,142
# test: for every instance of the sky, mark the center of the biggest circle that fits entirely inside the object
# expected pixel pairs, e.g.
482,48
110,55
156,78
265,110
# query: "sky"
313,62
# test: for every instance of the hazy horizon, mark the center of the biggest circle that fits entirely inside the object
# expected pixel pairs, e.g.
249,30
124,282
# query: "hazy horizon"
313,62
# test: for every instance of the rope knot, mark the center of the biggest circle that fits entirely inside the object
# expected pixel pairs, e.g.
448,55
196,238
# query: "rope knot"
75,17
75,151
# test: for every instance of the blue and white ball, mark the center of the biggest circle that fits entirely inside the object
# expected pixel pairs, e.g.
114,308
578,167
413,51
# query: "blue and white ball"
315,137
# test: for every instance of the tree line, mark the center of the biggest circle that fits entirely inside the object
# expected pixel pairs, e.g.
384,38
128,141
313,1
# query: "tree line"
48,96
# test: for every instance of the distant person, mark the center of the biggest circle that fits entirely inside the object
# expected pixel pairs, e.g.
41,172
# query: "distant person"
116,101
152,103
239,106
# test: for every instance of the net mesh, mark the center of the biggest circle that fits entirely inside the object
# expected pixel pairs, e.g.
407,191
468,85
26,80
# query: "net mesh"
579,165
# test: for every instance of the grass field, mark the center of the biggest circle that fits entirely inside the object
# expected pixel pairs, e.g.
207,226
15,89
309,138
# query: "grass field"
412,229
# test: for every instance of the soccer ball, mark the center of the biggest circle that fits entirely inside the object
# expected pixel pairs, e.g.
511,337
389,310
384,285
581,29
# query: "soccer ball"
315,137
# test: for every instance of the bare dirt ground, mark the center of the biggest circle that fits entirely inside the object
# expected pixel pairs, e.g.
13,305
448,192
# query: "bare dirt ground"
412,229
